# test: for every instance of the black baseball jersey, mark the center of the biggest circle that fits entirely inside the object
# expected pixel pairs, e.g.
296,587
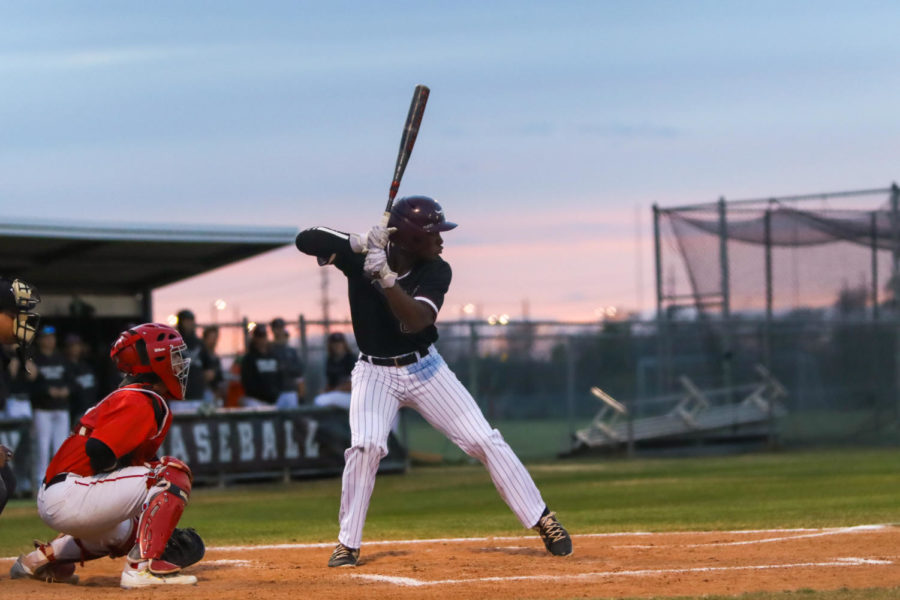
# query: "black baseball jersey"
84,389
338,369
378,332
261,375
52,372
210,361
290,364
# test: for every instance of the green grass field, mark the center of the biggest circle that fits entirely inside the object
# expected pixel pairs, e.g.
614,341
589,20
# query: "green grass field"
768,490
532,440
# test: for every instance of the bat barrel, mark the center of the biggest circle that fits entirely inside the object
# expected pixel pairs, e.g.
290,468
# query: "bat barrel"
408,140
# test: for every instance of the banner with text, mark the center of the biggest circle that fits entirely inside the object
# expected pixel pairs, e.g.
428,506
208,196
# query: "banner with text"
239,445
232,445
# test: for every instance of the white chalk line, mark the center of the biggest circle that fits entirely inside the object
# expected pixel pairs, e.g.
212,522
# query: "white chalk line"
520,538
801,536
230,562
579,577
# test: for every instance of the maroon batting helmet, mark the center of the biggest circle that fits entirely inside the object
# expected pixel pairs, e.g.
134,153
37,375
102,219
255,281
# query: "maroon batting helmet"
414,216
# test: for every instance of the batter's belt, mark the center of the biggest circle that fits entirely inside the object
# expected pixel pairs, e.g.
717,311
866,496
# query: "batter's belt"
395,361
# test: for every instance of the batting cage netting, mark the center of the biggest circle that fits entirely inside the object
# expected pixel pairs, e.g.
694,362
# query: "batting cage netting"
805,286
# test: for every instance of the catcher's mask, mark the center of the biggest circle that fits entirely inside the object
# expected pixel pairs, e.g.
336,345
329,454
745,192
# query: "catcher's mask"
154,348
414,217
20,298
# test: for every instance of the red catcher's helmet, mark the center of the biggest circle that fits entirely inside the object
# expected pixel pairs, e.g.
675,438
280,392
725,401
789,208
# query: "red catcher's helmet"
414,216
153,348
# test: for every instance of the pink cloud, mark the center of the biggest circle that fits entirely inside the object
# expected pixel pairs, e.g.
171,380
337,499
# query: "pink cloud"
559,275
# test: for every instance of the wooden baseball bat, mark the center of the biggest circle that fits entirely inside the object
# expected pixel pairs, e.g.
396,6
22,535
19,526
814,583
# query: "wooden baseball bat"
410,131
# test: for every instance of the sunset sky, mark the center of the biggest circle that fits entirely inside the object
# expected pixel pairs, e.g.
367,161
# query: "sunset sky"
551,130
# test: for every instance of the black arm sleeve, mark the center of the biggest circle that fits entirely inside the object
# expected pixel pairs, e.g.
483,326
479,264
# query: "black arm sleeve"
322,241
101,456
329,245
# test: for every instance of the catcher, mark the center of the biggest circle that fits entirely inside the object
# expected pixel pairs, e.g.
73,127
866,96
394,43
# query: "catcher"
106,491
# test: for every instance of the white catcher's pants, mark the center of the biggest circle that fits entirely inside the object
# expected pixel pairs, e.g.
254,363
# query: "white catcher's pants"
431,388
99,510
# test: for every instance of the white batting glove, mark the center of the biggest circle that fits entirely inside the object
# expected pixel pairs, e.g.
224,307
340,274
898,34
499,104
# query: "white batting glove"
376,265
375,259
377,236
385,277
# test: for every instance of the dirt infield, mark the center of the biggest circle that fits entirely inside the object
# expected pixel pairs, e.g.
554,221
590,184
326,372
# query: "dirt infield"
604,565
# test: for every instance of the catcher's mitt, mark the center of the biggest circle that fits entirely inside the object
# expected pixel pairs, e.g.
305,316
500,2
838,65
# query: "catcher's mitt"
184,548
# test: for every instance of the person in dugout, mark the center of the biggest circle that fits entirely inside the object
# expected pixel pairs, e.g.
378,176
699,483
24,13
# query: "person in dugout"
261,372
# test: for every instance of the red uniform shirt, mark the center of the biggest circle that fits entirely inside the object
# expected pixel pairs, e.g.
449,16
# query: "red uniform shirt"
133,421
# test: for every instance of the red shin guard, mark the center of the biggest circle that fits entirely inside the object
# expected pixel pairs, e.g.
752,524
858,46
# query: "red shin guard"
162,513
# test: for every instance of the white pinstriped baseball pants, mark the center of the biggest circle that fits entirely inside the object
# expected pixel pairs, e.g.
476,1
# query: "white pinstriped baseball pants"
431,388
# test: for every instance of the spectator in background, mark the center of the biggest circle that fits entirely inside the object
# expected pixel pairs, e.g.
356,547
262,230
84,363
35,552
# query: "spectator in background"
338,366
211,365
18,403
51,393
82,376
187,327
293,387
260,371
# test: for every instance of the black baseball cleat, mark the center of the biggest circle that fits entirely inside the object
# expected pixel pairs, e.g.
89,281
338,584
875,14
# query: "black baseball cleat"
344,556
556,538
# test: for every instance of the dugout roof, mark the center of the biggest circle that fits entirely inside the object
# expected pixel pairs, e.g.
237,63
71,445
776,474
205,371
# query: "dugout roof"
75,257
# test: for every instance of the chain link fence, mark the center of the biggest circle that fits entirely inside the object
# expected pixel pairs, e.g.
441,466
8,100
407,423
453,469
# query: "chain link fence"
533,379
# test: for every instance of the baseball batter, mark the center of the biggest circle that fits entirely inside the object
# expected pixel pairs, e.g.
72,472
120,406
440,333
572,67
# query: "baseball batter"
105,489
18,325
396,284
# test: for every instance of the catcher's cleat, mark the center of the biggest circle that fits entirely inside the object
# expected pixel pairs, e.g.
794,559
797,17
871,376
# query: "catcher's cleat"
556,538
162,567
48,573
138,578
344,556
